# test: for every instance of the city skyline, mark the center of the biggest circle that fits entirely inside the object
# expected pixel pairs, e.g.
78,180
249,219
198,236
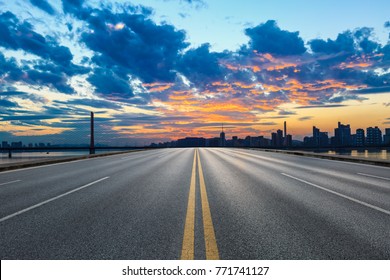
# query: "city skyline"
160,70
343,137
277,138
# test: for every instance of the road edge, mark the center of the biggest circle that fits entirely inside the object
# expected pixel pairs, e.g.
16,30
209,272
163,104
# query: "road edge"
42,162
329,157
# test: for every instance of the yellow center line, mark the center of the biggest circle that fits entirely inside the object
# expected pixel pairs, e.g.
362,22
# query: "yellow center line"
209,234
188,247
187,251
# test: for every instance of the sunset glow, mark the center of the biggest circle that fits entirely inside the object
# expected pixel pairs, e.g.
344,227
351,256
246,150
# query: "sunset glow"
146,80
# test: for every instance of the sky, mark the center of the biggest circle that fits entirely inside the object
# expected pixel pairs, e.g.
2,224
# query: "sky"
159,70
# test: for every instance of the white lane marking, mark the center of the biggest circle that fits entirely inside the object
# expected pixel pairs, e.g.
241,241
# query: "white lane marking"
2,184
341,195
50,200
373,176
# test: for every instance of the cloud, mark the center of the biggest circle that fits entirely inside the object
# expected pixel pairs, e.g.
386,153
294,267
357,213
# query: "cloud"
9,69
23,118
306,118
9,93
109,83
348,42
154,48
72,6
344,42
95,103
286,113
44,6
56,80
129,62
372,90
321,106
8,104
198,4
269,38
267,123
18,35
201,66
53,69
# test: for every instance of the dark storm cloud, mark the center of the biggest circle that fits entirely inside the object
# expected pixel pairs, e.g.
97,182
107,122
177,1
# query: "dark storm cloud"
269,38
56,80
344,42
53,69
134,43
109,83
200,65
72,6
18,35
9,69
27,118
8,104
9,93
43,5
348,42
379,90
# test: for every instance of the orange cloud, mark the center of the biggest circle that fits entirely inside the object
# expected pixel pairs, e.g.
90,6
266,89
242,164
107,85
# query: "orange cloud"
158,87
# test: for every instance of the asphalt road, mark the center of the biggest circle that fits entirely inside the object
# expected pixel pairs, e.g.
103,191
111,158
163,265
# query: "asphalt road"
196,203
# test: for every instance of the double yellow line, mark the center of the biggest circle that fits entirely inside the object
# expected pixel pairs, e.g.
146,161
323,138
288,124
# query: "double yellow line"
188,250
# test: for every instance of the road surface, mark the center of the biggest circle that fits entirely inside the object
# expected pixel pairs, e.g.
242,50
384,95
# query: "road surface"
206,203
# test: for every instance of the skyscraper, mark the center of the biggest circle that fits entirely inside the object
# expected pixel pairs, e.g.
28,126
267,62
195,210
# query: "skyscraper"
222,138
386,137
342,135
360,138
374,136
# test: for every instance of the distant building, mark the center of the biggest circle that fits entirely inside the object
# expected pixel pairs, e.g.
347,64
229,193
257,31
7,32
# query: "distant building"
17,144
213,142
374,136
316,136
288,140
274,139
191,142
360,137
386,137
279,142
235,141
5,144
319,139
342,135
222,138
